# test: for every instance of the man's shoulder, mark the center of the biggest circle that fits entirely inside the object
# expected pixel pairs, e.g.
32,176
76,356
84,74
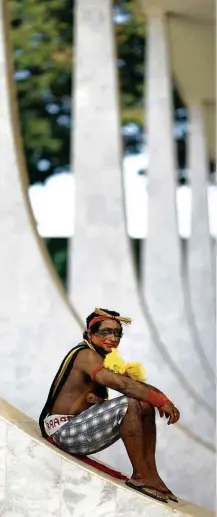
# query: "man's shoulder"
70,357
85,356
82,345
85,351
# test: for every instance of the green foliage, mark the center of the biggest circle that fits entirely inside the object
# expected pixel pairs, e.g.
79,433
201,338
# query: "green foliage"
58,248
42,44
42,35
42,41
130,38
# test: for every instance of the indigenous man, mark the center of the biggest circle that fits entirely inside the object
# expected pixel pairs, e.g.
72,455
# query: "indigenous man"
82,421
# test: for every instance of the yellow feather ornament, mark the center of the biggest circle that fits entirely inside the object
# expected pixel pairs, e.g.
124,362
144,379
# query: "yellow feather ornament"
136,371
116,364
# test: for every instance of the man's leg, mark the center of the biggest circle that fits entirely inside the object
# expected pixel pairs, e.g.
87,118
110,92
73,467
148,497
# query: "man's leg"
138,432
149,441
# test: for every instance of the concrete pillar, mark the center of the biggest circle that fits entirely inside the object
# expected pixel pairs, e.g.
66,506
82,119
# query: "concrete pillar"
162,282
200,249
101,270
37,326
94,266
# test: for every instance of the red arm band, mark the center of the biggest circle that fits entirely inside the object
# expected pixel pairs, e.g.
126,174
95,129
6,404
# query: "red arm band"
156,399
96,370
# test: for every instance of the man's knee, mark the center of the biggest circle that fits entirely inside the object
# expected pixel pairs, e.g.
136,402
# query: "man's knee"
142,407
133,406
147,409
139,405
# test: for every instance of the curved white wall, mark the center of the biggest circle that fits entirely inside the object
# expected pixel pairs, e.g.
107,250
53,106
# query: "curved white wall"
37,327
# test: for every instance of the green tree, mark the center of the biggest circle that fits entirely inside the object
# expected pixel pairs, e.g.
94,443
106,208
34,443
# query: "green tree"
42,49
58,250
42,43
42,39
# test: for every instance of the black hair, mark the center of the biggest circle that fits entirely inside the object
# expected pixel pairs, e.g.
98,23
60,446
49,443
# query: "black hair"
96,325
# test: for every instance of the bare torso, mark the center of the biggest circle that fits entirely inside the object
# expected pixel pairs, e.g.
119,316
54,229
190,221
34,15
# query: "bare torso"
78,394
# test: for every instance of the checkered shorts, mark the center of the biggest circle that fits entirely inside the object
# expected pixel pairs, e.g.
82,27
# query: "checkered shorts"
94,429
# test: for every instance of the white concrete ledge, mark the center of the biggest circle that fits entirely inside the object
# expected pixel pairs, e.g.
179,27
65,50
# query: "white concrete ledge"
37,479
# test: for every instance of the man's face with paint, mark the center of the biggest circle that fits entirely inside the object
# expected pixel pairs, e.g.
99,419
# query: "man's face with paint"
107,336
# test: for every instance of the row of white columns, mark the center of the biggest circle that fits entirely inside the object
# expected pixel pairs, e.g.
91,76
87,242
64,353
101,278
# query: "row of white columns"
161,258
36,326
101,270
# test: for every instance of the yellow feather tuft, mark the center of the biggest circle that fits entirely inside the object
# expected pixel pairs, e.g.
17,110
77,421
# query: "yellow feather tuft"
135,371
114,362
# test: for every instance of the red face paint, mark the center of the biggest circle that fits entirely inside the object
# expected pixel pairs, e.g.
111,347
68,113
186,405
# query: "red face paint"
102,341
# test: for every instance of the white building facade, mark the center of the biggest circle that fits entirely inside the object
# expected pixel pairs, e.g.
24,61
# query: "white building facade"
176,345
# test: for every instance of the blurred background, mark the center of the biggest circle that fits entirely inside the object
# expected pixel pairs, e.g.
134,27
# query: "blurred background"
43,54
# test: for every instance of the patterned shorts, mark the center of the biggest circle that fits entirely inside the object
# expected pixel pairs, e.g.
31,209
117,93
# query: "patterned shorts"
94,429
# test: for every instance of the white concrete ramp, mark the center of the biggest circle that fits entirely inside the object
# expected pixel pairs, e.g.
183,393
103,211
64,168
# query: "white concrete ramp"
38,480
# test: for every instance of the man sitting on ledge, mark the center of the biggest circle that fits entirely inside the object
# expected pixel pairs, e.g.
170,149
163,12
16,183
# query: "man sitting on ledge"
82,421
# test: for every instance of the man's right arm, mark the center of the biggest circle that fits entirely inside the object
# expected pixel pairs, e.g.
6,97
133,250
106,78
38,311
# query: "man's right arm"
89,361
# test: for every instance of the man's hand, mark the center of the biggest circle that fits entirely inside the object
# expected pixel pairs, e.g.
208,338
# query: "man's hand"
170,412
91,398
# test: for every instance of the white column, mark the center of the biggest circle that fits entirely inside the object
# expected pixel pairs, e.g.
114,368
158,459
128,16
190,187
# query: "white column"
162,254
96,257
162,281
37,326
161,262
200,246
101,271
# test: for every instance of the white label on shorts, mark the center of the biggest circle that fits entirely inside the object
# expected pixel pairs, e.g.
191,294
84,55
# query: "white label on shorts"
54,422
